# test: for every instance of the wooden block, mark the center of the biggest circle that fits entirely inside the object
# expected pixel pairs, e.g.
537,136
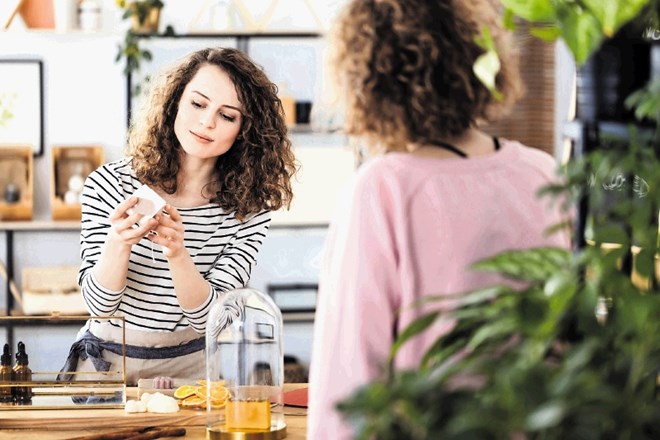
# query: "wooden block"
16,178
70,166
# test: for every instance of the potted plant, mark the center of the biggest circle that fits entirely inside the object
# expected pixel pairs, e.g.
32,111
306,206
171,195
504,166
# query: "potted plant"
144,14
575,354
145,19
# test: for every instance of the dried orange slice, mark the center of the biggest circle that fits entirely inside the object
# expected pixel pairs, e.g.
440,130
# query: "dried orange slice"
185,391
219,394
200,392
194,402
195,396
218,403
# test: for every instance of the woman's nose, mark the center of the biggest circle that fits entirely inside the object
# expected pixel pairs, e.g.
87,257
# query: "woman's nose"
207,120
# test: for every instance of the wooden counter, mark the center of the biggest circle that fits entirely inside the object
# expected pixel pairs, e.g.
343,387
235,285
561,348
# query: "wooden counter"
65,424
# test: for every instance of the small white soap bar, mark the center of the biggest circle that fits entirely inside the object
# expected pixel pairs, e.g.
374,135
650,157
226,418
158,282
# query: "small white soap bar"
149,203
162,404
135,406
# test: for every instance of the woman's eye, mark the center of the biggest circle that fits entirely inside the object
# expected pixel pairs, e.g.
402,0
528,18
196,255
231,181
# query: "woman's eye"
196,104
228,117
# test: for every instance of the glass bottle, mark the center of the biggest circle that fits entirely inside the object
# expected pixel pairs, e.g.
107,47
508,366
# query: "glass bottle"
22,373
6,376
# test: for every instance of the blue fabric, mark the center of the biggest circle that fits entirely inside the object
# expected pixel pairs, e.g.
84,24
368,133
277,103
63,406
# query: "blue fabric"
89,346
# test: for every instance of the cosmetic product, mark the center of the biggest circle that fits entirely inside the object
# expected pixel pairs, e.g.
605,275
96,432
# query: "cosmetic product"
89,15
6,376
22,374
12,193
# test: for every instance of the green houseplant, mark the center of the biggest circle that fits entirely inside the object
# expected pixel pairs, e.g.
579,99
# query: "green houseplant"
144,16
575,354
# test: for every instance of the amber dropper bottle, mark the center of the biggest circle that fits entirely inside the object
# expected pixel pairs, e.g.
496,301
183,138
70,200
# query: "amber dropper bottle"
22,373
6,376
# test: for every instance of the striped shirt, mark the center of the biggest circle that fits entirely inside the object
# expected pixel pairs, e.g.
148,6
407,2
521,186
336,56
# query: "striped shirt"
223,249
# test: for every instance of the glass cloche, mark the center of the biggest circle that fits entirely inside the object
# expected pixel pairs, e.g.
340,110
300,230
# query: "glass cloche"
244,349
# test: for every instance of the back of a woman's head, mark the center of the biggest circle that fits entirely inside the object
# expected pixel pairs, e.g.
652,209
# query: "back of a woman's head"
406,69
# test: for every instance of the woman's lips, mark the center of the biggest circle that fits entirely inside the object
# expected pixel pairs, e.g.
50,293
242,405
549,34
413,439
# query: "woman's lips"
201,137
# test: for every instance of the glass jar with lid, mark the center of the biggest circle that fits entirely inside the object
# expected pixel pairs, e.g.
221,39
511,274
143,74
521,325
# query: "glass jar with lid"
244,353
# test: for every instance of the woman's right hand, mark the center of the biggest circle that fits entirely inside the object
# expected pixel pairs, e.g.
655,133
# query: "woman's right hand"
124,227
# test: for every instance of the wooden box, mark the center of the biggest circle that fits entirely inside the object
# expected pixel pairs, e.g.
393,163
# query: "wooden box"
16,183
48,290
70,167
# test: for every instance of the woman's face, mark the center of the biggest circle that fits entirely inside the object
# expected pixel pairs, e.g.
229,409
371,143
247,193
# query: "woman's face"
209,115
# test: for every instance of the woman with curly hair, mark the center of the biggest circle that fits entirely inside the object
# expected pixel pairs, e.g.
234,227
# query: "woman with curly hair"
210,139
435,195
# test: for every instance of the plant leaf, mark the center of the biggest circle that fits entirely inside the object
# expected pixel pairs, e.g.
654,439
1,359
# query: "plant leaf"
498,331
612,15
545,416
415,328
487,65
486,68
535,264
546,33
531,10
581,32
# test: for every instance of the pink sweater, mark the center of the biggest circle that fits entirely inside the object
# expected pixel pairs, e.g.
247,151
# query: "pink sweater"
411,227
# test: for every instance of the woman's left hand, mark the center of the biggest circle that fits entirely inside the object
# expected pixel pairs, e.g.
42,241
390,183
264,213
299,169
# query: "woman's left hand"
169,232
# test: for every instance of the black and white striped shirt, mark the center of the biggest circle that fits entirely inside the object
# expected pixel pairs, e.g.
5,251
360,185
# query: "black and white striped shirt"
222,248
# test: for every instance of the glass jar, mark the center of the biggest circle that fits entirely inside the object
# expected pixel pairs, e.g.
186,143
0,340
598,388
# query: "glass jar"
244,352
89,15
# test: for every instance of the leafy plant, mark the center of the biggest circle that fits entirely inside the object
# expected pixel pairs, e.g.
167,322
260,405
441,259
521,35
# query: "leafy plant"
581,24
646,102
130,49
140,9
575,354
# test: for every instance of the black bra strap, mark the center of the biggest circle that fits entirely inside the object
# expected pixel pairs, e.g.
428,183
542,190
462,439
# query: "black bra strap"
450,147
455,150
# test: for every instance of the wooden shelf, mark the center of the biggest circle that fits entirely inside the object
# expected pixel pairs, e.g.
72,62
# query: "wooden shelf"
241,34
40,225
40,321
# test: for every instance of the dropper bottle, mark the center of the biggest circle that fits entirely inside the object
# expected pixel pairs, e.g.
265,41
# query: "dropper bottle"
6,376
22,373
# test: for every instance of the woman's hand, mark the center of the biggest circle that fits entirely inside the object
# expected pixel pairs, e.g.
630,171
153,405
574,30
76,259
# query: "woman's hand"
169,232
124,227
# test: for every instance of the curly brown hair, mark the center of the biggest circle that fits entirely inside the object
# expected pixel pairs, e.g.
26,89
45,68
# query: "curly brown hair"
405,67
255,174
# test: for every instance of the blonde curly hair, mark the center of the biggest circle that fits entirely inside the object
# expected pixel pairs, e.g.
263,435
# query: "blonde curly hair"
405,69
255,174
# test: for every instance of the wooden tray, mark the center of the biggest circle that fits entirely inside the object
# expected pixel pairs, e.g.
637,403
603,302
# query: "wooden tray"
81,419
98,418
